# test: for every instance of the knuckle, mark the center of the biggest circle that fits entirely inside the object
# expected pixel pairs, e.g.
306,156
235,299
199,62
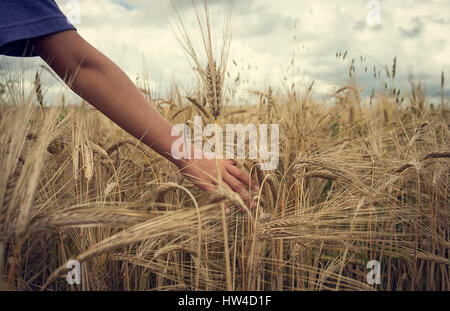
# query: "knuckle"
241,189
243,175
236,185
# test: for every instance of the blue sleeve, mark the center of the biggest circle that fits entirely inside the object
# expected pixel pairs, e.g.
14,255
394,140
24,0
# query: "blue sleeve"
22,20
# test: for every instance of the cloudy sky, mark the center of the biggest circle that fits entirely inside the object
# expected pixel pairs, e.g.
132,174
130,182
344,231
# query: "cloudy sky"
277,42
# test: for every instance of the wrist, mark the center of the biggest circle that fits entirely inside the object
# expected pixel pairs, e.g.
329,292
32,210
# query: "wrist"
195,155
183,158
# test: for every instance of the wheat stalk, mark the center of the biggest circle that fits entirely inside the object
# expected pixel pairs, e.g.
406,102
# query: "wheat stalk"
211,73
223,194
38,90
132,142
199,106
88,162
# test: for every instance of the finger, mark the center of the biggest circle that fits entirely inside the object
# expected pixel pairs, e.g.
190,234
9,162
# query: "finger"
243,177
232,162
204,183
238,187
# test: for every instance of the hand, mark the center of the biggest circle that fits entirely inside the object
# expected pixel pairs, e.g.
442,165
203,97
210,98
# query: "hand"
204,174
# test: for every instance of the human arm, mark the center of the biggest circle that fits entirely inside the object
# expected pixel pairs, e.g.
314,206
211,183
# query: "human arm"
104,85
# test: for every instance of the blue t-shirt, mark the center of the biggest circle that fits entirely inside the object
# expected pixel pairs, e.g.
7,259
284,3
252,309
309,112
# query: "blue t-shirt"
21,20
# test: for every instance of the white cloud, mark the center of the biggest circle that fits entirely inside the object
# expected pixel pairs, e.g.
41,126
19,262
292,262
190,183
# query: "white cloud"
129,31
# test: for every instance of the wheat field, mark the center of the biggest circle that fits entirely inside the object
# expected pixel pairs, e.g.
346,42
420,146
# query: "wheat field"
355,183
359,179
